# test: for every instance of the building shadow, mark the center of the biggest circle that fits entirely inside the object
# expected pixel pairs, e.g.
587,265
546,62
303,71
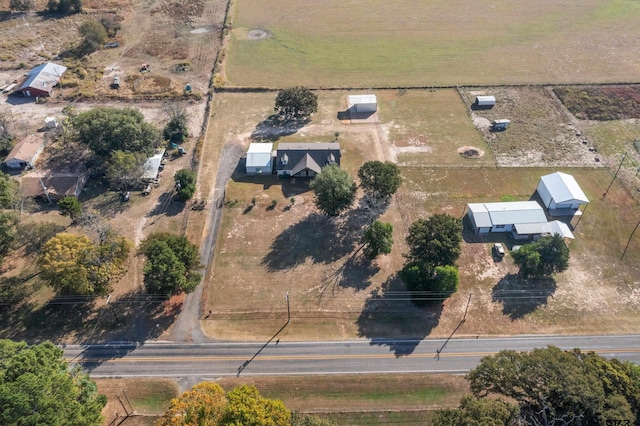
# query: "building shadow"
352,114
520,296
390,318
272,128
476,107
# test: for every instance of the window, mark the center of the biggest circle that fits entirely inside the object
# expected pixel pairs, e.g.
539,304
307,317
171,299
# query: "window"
285,159
500,226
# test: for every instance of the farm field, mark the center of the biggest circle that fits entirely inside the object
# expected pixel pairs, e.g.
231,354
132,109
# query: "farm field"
364,43
263,252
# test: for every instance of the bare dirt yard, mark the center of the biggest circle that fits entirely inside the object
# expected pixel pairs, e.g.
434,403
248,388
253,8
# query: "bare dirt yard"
263,252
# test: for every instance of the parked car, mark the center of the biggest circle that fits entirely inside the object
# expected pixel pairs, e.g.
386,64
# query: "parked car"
498,249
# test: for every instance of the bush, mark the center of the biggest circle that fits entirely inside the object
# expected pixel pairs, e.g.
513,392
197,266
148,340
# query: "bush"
185,183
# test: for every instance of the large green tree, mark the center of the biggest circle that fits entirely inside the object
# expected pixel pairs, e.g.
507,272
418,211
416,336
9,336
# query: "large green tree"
295,103
8,232
543,258
172,263
334,189
378,239
37,387
107,129
124,168
429,284
207,404
477,412
186,183
435,241
93,34
70,206
9,193
21,5
176,130
554,386
379,179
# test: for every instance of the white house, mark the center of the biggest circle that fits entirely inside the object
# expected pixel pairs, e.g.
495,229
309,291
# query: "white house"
503,217
363,103
561,194
259,158
25,153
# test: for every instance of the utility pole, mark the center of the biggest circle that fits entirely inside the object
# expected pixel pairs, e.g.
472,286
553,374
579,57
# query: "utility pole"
113,311
288,308
615,176
464,317
629,241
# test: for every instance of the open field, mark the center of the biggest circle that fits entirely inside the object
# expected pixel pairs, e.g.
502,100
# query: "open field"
263,253
379,43
363,399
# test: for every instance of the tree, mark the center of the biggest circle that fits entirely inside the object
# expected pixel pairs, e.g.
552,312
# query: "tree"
8,191
378,239
248,408
477,412
107,129
176,130
298,419
8,232
64,6
94,34
379,179
125,168
296,103
545,257
37,387
171,265
70,206
185,183
207,404
72,264
553,386
62,263
204,404
335,190
429,284
435,241
21,5
6,123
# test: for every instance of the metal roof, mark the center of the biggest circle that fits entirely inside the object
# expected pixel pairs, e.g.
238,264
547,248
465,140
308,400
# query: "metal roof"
43,77
313,146
551,228
563,187
362,99
259,155
26,149
507,213
152,166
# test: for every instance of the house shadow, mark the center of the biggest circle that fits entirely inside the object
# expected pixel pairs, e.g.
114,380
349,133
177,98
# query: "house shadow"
390,318
272,128
520,296
352,114
320,238
475,107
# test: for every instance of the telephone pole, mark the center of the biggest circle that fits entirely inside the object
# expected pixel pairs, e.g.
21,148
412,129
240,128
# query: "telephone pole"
615,176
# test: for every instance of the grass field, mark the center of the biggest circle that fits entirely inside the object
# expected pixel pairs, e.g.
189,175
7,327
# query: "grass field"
363,399
364,43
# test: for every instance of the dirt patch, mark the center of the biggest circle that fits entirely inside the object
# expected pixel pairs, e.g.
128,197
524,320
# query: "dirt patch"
470,152
258,34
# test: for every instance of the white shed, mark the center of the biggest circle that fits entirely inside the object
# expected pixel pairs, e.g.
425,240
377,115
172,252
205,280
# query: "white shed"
561,194
363,103
259,158
485,101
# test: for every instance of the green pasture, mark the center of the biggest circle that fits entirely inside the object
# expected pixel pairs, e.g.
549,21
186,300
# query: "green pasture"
365,43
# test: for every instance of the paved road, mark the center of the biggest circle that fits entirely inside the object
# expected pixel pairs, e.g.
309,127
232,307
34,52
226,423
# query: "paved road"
209,360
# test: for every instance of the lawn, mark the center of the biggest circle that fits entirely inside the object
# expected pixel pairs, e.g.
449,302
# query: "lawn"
360,399
376,43
263,253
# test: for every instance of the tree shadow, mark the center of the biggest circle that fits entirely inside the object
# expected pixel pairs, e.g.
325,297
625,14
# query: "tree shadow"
168,205
390,318
521,296
272,128
318,237
357,273
107,203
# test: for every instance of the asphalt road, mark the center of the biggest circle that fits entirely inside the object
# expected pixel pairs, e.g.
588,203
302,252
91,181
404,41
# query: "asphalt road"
210,360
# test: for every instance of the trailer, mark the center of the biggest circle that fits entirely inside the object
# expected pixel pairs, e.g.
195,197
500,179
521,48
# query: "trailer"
485,101
501,124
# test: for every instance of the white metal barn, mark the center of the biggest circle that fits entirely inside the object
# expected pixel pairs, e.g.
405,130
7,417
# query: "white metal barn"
561,194
363,103
485,101
503,217
259,158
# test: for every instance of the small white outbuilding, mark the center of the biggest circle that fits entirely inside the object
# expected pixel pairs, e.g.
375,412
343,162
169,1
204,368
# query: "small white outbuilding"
363,103
259,158
561,194
485,101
